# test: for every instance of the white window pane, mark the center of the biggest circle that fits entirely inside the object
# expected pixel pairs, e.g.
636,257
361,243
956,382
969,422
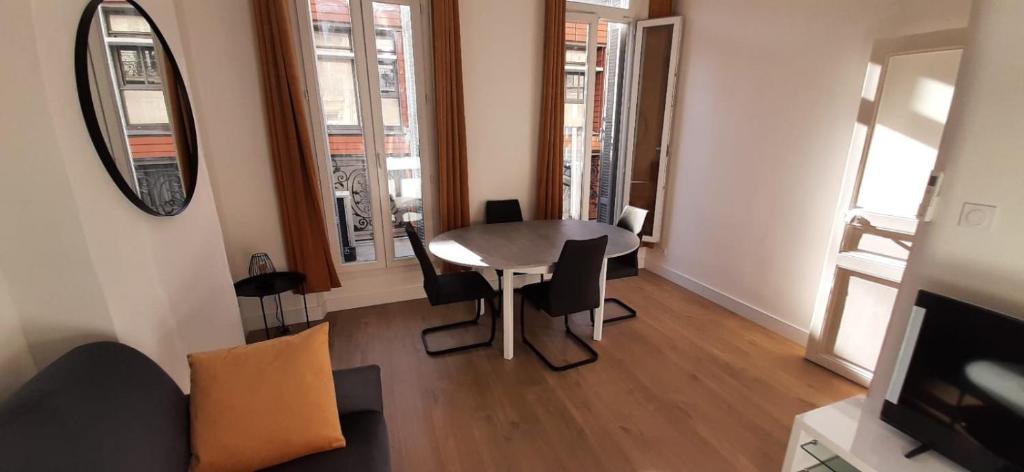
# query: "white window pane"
574,55
866,309
338,92
391,112
333,36
386,43
145,107
607,3
127,23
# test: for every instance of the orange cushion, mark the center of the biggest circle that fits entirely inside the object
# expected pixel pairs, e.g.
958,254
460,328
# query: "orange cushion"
263,404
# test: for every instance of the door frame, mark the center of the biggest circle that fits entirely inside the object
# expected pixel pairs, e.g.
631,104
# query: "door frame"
820,336
666,127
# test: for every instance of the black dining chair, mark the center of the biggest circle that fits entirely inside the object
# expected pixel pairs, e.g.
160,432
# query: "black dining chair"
626,265
452,288
575,286
502,211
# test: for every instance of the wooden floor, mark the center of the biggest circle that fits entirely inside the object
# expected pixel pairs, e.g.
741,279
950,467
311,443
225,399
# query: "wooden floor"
687,386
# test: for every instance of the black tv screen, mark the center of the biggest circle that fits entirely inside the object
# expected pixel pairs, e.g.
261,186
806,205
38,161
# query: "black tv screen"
958,387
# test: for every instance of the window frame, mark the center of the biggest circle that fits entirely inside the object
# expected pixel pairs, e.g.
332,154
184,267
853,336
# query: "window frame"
369,96
140,41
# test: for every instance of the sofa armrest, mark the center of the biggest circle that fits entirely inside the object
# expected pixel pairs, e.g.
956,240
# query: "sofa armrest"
358,389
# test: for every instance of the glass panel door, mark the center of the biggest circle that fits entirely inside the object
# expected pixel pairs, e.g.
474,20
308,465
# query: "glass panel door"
397,120
901,148
651,102
595,65
343,95
369,81
577,125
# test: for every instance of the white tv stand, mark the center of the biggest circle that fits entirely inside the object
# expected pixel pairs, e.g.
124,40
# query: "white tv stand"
846,439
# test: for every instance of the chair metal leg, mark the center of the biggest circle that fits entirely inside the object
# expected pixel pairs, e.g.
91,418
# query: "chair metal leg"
557,368
630,311
460,324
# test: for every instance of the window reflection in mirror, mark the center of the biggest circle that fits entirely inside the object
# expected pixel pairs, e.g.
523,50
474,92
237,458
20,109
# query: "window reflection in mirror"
143,116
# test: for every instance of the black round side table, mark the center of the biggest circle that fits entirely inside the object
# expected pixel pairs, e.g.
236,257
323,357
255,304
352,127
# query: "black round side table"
273,284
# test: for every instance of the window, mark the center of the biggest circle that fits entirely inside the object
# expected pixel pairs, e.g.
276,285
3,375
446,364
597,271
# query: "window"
391,107
606,3
136,70
338,93
575,86
333,35
139,107
366,71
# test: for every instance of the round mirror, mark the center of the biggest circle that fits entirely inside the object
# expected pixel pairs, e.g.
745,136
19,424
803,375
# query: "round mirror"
135,106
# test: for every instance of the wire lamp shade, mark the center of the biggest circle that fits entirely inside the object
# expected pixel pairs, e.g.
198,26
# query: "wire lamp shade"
260,263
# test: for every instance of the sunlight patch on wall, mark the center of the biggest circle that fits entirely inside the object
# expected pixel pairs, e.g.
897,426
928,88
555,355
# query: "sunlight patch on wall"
894,182
931,98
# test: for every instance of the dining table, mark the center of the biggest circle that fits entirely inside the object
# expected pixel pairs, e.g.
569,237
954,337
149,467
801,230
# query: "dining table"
527,247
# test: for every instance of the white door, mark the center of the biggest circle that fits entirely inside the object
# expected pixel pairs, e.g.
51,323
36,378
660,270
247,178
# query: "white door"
905,102
651,102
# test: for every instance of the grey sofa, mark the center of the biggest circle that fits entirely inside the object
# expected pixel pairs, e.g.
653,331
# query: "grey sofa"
107,407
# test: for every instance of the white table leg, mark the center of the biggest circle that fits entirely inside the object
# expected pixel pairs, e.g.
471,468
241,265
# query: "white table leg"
599,312
507,313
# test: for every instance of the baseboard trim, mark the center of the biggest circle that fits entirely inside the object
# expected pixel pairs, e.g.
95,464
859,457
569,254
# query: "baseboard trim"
735,305
377,297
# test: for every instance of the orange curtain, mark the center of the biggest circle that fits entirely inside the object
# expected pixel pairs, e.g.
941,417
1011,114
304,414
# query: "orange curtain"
659,8
552,114
453,175
291,143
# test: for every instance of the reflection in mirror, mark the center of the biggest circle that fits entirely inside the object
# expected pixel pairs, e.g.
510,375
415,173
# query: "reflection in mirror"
136,106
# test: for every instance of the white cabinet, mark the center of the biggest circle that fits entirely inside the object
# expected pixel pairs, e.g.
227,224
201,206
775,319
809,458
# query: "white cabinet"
846,439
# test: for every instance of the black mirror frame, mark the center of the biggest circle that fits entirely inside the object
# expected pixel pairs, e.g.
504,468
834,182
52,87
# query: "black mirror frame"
93,125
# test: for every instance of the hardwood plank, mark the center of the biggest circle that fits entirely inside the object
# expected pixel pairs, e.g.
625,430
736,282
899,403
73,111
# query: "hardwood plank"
685,386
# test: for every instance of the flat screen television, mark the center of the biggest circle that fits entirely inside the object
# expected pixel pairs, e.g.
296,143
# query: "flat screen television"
958,387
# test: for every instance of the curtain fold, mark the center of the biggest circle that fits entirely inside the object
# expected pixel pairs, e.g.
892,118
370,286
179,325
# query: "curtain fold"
291,142
552,114
450,117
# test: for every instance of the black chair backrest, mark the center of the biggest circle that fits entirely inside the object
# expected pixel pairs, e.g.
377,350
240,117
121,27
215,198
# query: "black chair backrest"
429,273
632,219
503,211
576,283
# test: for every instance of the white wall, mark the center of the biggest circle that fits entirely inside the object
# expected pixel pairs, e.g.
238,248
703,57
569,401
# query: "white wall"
501,44
227,92
981,157
502,48
80,262
768,98
16,362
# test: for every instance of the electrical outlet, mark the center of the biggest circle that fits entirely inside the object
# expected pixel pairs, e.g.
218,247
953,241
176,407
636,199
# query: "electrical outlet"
977,216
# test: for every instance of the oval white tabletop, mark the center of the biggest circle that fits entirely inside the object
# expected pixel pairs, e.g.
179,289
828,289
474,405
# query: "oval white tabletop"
529,247
526,246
